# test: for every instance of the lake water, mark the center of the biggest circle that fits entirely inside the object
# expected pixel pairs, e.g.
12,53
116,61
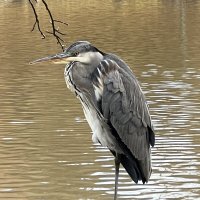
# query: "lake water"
46,152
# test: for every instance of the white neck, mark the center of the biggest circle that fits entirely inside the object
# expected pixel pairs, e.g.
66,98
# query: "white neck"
87,58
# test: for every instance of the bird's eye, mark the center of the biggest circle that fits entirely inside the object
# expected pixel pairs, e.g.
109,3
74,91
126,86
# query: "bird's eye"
76,53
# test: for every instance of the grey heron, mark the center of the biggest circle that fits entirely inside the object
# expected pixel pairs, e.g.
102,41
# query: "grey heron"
114,106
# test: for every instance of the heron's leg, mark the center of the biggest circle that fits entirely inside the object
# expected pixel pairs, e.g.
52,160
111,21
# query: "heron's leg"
117,164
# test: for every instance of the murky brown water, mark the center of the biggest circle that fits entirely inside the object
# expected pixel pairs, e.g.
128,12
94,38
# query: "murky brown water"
46,152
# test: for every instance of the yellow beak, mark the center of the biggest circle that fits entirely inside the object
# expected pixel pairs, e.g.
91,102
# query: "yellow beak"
62,58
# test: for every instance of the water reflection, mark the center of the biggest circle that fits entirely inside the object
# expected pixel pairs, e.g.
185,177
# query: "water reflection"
46,150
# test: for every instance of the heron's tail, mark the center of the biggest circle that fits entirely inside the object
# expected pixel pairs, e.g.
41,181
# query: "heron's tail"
133,168
137,169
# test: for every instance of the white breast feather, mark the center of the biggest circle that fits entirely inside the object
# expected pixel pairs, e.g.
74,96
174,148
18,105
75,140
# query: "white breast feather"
99,133
98,89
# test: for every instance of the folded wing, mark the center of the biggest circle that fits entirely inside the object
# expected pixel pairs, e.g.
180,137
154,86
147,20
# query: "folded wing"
121,102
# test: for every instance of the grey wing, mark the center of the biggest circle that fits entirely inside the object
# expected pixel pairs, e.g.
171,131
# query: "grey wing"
122,103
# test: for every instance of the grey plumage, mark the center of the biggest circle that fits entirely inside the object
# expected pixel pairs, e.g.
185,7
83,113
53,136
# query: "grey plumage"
123,105
114,106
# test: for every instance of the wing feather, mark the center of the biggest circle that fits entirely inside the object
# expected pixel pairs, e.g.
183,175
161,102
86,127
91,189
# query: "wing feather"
124,106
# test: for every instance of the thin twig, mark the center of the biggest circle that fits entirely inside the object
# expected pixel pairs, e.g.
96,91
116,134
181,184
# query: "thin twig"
57,30
49,32
61,22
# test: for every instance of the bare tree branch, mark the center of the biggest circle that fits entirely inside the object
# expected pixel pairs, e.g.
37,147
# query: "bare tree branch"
37,22
55,31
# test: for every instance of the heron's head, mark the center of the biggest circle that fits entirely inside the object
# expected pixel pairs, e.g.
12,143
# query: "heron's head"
81,51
